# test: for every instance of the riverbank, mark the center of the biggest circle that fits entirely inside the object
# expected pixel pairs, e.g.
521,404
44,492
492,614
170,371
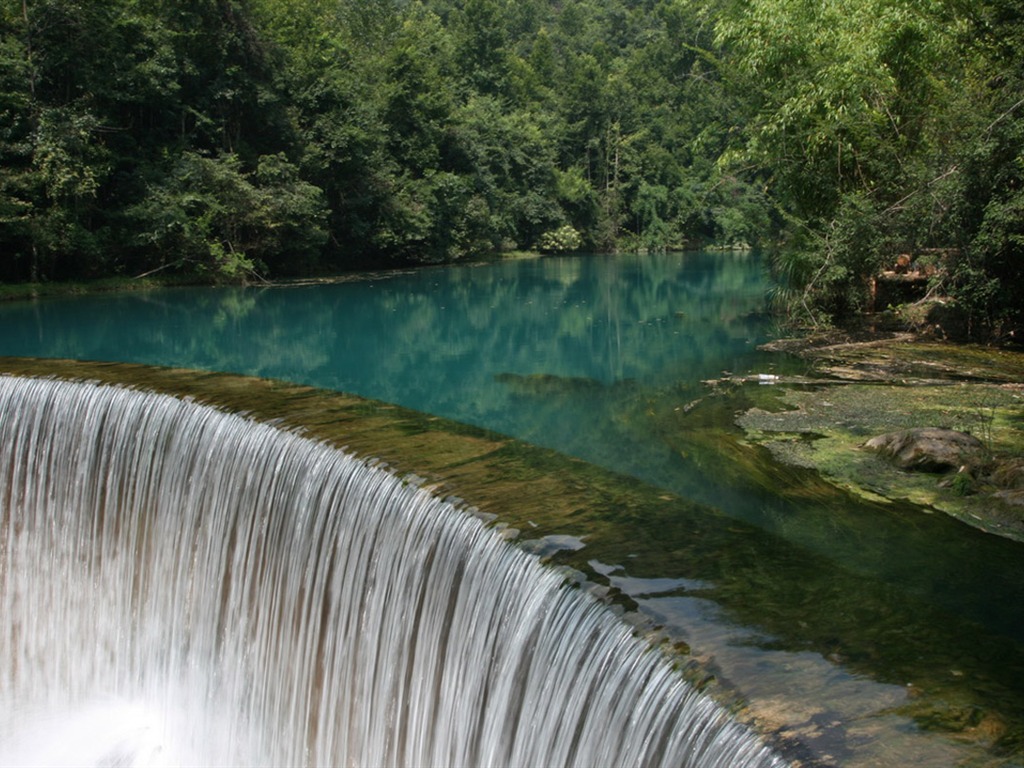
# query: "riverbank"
25,291
853,390
39,290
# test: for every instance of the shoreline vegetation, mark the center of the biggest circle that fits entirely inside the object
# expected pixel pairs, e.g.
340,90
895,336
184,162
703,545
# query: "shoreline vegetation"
253,140
29,291
20,291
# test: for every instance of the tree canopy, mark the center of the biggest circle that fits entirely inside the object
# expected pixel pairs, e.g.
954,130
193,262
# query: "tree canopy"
244,138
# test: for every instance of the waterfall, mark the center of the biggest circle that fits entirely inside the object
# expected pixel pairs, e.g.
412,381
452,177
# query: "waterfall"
180,585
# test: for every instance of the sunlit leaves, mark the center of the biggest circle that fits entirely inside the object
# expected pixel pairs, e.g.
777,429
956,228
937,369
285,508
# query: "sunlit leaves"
845,89
67,155
880,123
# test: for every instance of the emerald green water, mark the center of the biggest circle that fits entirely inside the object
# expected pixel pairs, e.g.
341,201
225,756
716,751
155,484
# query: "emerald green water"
874,635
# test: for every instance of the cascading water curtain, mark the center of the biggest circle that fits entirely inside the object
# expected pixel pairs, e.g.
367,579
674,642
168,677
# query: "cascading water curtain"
179,585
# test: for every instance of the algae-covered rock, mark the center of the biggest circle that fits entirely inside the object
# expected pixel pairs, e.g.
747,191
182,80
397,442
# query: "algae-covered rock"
929,449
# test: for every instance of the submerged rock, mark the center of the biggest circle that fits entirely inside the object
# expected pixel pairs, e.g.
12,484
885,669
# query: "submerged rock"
929,449
547,383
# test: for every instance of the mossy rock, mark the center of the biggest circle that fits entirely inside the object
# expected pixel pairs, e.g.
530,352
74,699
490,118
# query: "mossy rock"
857,388
929,449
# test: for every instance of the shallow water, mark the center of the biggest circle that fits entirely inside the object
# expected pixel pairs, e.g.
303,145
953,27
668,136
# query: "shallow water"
851,626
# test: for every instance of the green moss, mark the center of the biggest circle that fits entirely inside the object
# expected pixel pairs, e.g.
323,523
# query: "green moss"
971,389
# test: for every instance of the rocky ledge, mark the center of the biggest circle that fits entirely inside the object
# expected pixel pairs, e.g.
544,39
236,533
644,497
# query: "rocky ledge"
940,425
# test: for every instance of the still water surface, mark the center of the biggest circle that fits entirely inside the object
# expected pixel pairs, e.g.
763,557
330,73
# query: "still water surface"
477,344
877,636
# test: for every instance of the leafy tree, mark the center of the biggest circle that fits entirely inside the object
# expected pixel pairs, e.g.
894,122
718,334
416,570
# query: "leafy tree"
986,182
859,107
208,213
17,181
479,46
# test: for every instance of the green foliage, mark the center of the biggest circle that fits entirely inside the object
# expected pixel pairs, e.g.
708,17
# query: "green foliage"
207,213
963,484
988,208
67,158
844,91
885,130
244,137
137,133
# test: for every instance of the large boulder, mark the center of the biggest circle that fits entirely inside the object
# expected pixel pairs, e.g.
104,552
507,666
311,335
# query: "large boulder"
929,449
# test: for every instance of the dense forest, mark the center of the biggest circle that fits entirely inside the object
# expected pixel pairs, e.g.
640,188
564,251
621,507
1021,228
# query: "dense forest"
244,139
